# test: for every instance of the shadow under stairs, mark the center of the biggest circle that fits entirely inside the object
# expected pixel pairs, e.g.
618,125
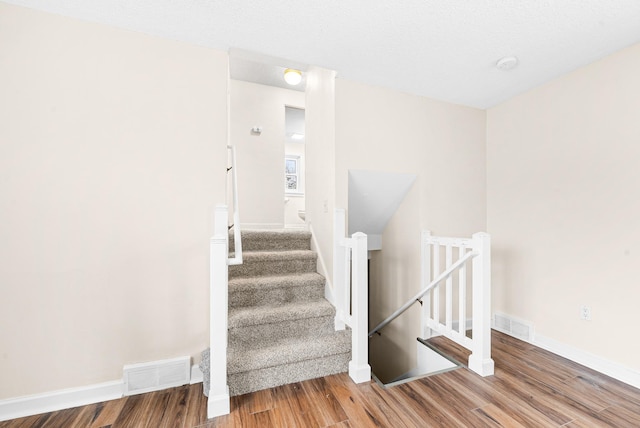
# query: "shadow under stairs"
430,361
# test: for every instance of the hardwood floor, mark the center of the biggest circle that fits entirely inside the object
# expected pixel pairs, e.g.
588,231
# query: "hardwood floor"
531,388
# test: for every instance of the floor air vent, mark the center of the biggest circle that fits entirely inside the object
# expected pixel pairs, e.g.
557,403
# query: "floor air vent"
513,327
156,375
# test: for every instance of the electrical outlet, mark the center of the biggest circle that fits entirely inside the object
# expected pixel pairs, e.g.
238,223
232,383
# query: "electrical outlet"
585,313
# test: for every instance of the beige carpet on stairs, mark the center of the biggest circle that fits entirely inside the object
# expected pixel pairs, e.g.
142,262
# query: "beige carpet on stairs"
281,329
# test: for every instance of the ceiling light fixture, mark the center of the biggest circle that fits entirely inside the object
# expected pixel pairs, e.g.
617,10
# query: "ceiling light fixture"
297,136
507,63
292,77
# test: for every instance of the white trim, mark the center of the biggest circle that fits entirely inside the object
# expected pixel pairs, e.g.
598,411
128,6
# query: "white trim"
328,293
58,400
602,365
322,267
299,226
587,359
20,407
218,405
196,374
359,373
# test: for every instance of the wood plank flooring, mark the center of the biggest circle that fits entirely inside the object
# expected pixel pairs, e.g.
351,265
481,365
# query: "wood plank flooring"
531,388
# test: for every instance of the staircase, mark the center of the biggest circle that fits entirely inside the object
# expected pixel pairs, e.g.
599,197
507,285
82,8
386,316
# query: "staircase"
281,329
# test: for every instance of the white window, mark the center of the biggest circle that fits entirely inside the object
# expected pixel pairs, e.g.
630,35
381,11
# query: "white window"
292,174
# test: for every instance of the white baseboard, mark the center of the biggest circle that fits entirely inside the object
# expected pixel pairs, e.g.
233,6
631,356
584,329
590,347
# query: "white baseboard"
328,293
322,266
196,374
524,330
301,226
58,400
20,407
602,365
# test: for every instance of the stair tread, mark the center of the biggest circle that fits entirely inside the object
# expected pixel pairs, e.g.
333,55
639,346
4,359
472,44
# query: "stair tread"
287,351
247,316
274,281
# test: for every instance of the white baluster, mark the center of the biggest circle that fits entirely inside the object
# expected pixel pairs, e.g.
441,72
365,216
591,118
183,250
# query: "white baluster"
436,289
462,294
449,289
426,279
347,282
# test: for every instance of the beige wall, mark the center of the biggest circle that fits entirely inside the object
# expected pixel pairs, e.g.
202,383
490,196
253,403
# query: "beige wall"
563,206
260,157
320,161
112,156
444,144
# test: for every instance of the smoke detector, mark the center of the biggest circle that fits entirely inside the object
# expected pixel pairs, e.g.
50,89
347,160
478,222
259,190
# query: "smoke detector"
507,63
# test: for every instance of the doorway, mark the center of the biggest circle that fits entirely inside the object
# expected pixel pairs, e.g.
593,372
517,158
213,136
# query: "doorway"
294,168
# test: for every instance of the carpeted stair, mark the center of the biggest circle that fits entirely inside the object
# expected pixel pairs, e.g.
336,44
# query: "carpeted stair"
281,329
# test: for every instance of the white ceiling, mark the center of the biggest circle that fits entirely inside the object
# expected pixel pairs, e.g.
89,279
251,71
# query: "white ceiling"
441,49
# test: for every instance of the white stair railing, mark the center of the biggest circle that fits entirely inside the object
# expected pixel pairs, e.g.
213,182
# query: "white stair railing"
219,400
478,248
351,287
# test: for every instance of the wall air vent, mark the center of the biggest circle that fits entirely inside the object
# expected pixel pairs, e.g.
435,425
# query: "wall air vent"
156,375
507,324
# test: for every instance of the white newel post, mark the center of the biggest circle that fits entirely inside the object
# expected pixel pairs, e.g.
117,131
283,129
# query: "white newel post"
218,403
480,360
339,269
359,369
425,331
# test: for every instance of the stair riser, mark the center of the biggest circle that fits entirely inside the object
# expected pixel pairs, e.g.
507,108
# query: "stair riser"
256,380
272,267
263,334
282,244
275,296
